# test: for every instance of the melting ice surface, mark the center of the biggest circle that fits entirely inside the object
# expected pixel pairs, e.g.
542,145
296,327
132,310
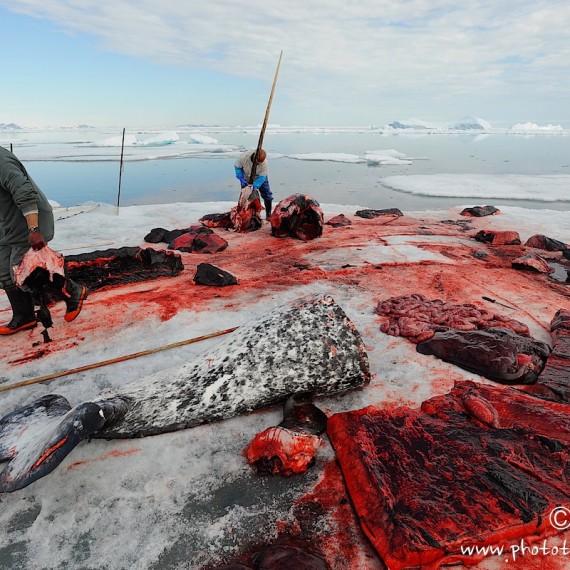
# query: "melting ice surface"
140,146
547,188
417,165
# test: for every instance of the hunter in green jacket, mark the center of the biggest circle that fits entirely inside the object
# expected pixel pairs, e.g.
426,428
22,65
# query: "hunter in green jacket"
26,220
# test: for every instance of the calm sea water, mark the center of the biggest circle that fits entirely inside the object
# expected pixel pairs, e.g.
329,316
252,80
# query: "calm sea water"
212,179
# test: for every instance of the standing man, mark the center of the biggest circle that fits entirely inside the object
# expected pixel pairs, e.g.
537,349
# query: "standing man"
243,167
26,220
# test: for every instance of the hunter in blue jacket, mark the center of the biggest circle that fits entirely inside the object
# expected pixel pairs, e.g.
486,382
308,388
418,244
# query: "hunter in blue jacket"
243,168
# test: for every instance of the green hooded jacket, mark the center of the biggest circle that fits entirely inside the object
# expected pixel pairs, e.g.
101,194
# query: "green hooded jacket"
20,196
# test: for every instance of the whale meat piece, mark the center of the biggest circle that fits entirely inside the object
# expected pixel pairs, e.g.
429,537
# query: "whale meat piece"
498,354
297,216
479,211
498,238
199,243
425,482
369,213
554,382
418,318
158,235
540,241
532,262
339,221
208,274
290,447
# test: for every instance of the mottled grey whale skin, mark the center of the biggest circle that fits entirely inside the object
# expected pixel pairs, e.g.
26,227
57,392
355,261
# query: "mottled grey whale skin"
309,345
306,346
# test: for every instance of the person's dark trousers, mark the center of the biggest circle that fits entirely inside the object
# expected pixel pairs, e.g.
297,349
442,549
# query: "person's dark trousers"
267,208
23,313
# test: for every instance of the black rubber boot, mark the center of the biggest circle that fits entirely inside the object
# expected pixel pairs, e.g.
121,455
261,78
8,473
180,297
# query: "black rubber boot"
73,294
24,317
267,208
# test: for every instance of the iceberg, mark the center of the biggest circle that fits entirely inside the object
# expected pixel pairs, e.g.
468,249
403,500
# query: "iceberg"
468,123
9,126
529,127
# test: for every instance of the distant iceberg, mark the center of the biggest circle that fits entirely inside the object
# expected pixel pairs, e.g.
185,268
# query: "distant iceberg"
467,123
389,157
327,157
9,127
386,157
201,139
540,188
470,123
169,137
534,128
398,125
416,124
74,127
159,139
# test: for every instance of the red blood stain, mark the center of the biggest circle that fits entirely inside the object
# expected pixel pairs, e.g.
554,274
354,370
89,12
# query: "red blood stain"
113,453
49,452
265,265
343,544
31,356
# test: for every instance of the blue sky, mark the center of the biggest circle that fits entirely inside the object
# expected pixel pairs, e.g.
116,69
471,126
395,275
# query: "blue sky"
142,63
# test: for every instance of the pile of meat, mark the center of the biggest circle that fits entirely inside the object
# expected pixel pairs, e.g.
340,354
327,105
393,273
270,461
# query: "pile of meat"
107,267
195,239
244,217
298,216
481,465
97,269
289,447
473,338
480,211
418,318
46,260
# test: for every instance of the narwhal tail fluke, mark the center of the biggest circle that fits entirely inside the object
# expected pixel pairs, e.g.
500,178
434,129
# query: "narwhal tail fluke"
37,438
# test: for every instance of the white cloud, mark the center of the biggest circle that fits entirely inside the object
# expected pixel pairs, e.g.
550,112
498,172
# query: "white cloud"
342,53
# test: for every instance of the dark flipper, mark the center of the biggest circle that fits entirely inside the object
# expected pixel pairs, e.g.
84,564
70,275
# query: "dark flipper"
300,414
35,439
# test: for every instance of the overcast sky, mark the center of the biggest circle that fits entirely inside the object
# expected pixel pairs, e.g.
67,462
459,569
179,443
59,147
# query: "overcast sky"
358,62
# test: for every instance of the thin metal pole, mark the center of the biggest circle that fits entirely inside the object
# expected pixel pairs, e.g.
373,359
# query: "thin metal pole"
121,170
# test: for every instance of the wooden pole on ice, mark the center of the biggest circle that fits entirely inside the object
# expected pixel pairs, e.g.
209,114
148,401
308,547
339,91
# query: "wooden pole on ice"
120,171
113,360
264,126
